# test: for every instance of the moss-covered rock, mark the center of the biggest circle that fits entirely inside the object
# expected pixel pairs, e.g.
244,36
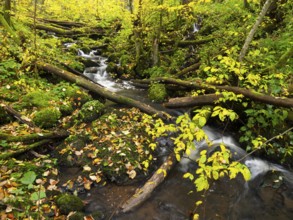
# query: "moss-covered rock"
91,111
47,117
157,92
76,216
38,99
68,203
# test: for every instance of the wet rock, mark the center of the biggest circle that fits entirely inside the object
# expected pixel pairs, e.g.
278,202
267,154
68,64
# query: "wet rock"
68,203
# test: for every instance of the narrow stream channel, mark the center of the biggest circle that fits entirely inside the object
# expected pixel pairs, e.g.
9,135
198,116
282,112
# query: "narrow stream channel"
268,196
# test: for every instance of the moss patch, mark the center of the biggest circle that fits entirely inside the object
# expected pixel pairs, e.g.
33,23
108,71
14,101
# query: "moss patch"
157,92
91,111
68,203
47,117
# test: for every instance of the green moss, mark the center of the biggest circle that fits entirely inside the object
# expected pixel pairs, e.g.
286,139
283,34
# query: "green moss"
47,117
157,92
76,216
37,98
91,111
72,93
68,203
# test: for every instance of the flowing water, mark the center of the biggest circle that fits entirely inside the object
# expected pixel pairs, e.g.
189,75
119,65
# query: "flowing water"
268,195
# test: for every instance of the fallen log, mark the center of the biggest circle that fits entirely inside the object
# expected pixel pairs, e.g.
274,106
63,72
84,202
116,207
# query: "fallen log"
6,155
17,115
34,137
74,32
253,95
62,23
185,43
185,102
188,69
97,89
143,193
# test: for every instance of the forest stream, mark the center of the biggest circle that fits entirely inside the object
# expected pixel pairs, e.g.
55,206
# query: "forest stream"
268,195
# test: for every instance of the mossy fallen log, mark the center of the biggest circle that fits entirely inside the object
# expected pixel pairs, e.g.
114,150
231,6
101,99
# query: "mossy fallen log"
6,155
17,115
62,23
253,95
185,43
71,32
188,69
186,102
34,137
103,92
143,193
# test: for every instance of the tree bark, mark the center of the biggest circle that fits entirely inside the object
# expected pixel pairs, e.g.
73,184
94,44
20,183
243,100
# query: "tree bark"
68,24
143,193
7,155
185,102
255,96
63,32
186,43
95,88
254,29
188,69
18,116
34,137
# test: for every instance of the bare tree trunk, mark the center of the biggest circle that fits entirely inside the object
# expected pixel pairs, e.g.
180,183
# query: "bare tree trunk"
7,10
254,29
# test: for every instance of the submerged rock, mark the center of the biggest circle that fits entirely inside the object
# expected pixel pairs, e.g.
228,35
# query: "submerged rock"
68,203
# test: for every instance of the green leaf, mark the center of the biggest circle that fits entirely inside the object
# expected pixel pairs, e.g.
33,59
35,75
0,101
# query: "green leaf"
28,178
38,195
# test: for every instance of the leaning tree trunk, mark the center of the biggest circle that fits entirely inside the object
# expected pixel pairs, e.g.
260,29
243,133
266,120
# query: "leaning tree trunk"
254,29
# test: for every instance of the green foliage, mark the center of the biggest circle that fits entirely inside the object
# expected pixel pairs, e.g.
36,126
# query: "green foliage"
8,69
38,99
157,92
47,117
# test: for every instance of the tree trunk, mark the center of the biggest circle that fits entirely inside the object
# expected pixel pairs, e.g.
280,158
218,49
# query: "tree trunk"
255,96
7,155
186,43
34,137
18,116
188,69
7,11
102,91
254,29
143,193
187,102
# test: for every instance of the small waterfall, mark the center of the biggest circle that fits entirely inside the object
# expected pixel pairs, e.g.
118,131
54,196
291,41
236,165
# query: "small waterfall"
99,73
